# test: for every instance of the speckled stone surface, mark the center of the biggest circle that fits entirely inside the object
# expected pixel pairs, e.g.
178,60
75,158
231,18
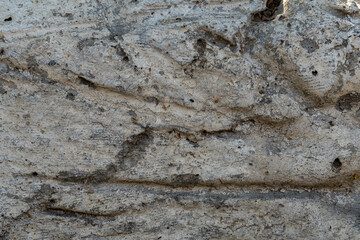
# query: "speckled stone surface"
177,119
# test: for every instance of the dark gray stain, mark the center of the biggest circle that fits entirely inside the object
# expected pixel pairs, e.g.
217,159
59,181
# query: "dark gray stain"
71,94
238,176
309,44
86,43
52,63
120,27
152,100
200,46
120,51
193,143
33,68
351,63
344,102
69,16
185,179
132,113
133,150
100,175
2,90
357,114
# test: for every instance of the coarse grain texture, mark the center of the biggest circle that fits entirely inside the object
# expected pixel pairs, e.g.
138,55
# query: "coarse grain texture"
180,119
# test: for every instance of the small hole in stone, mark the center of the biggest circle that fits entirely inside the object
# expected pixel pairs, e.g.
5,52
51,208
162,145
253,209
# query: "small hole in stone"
315,73
86,82
261,91
70,96
52,200
201,42
34,174
8,19
336,163
192,100
126,59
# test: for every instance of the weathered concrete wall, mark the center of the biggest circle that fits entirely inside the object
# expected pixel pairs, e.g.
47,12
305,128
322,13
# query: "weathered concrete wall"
179,119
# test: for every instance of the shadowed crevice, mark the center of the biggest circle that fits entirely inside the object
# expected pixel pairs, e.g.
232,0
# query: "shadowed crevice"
273,7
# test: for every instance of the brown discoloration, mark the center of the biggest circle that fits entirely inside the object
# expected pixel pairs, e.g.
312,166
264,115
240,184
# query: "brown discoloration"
345,102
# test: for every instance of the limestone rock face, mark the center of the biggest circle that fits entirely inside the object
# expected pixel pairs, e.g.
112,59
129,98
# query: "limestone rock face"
180,119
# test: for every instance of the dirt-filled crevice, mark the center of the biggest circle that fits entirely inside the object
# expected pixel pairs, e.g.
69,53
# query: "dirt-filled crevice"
273,7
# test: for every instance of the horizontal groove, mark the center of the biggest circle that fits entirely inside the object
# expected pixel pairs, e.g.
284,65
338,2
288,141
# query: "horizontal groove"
346,181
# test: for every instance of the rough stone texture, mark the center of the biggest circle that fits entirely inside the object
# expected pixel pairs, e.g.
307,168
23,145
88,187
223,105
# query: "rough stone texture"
179,119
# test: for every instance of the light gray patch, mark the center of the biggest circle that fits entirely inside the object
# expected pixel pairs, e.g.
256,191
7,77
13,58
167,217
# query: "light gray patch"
272,149
357,114
353,149
4,68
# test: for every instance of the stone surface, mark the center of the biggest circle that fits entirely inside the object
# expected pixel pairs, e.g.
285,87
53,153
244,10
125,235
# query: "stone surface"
180,119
